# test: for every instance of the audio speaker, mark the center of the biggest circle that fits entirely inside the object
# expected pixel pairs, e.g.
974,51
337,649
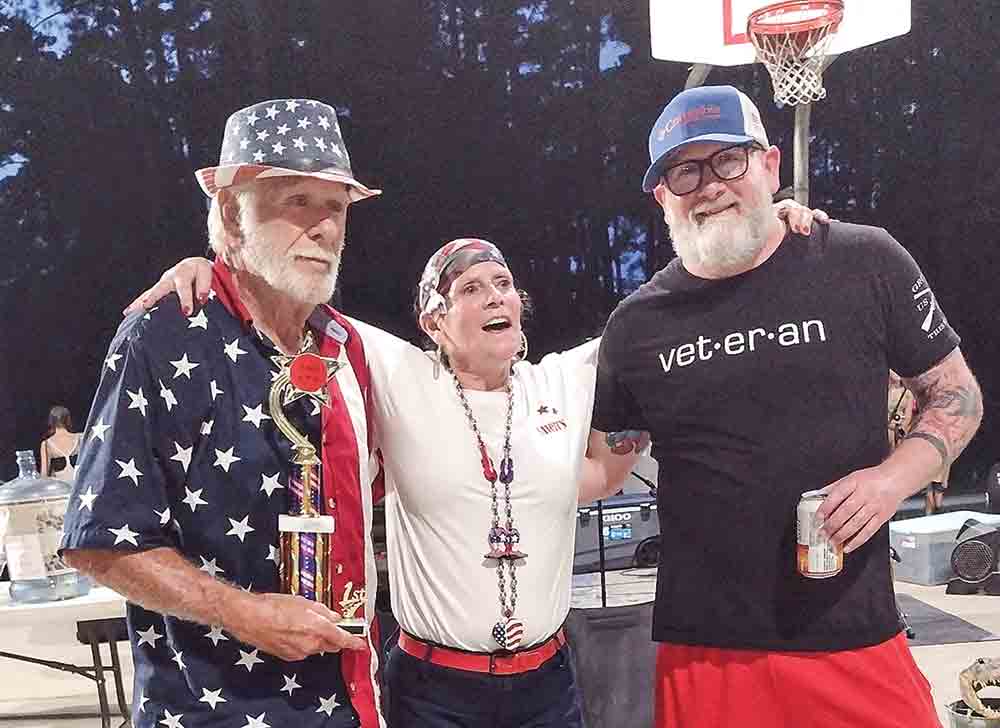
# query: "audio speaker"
974,559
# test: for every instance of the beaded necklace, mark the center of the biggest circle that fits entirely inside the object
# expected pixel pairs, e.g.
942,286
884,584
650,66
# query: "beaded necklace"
503,540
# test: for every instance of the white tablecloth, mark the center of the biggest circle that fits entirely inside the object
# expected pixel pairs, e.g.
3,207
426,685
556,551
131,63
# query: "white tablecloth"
54,622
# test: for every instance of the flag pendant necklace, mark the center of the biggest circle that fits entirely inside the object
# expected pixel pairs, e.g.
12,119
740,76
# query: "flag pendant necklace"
503,540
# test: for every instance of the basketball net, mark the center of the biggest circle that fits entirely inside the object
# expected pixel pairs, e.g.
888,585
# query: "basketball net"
791,39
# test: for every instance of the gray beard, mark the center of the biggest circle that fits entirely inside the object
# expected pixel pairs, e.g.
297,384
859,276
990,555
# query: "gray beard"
723,247
277,271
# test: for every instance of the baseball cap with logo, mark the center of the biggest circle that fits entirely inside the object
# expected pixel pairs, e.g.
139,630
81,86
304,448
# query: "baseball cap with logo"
283,138
702,114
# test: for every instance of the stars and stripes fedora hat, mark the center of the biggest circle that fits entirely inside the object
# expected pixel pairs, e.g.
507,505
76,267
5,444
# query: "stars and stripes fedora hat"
283,138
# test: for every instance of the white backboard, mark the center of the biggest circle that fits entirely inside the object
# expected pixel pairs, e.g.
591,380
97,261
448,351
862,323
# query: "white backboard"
714,31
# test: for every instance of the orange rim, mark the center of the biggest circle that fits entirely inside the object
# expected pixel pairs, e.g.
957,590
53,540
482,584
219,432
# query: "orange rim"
765,20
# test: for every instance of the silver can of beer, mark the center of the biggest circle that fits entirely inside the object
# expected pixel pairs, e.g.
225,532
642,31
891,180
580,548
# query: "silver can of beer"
816,555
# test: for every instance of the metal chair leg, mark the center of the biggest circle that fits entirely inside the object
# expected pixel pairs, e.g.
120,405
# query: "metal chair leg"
123,707
102,692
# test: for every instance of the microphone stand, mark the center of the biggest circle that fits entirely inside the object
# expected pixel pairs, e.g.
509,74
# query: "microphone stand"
600,551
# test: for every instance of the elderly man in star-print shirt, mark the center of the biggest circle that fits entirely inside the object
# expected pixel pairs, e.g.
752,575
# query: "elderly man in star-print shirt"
183,473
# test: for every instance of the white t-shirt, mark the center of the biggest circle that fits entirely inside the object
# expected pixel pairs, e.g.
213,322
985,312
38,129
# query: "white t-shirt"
438,502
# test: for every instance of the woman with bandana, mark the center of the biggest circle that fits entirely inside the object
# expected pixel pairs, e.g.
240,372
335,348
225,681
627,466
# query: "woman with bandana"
486,457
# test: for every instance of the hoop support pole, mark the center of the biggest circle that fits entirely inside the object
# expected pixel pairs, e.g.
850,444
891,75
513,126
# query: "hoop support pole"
697,75
801,151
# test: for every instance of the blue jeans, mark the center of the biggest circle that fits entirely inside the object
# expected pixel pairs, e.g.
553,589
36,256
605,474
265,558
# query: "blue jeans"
424,695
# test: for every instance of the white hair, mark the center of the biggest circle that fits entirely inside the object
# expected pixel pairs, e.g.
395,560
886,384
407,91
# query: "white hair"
246,198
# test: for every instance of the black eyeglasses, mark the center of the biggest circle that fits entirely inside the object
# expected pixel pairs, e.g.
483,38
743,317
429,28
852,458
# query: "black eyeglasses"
727,164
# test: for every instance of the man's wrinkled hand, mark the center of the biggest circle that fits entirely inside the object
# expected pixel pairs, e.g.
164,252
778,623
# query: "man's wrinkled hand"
288,627
856,506
799,218
191,280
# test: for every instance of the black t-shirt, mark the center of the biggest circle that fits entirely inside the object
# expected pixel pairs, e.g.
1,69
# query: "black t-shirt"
757,388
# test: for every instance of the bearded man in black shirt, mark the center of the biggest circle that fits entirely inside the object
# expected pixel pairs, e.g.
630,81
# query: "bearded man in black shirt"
757,361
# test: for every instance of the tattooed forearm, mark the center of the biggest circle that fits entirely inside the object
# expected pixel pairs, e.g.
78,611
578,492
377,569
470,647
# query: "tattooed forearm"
960,402
949,406
935,441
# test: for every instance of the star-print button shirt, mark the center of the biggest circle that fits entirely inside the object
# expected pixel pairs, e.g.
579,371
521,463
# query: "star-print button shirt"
181,451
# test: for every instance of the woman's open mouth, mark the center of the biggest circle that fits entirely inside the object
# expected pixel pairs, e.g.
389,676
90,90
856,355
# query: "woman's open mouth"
495,325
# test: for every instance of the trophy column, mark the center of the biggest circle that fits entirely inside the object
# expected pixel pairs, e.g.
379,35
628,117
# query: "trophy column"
305,535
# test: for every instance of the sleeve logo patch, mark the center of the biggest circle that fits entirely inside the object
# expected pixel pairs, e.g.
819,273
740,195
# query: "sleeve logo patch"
926,305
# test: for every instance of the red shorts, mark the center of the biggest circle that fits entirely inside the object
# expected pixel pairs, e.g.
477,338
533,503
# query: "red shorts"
874,687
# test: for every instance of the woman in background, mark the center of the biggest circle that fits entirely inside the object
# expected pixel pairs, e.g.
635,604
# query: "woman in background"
59,449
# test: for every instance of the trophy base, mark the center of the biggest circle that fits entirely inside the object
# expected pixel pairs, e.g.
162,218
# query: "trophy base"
354,626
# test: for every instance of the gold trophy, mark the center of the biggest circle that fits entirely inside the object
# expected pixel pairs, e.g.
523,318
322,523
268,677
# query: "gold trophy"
305,567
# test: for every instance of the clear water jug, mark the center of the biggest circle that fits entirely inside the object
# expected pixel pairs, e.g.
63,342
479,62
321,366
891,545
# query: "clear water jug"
32,509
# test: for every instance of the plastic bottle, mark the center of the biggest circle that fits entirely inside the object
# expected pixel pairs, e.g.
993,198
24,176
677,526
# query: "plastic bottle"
32,509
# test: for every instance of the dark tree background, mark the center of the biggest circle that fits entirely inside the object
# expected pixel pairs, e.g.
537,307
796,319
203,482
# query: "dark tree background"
523,122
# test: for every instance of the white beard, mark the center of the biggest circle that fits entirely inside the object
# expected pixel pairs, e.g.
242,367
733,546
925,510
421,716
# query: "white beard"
278,271
727,245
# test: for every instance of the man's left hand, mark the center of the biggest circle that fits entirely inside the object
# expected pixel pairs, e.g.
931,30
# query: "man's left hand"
856,506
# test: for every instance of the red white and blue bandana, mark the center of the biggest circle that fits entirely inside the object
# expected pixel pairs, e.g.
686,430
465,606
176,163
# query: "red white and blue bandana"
449,262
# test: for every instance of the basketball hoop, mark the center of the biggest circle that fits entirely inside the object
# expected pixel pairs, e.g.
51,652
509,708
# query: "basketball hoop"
791,39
